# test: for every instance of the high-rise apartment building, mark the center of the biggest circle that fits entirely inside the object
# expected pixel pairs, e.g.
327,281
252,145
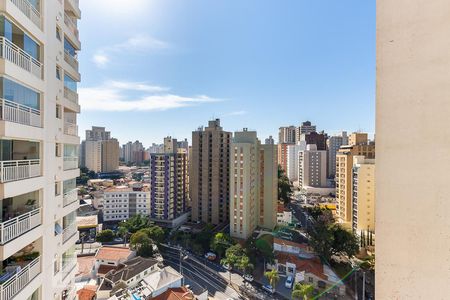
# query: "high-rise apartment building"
344,166
358,138
314,138
169,194
292,160
305,127
209,174
253,184
269,140
286,135
39,142
100,152
133,152
412,135
363,194
282,156
333,144
312,169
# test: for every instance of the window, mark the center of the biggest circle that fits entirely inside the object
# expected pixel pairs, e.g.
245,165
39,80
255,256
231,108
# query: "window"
57,188
58,150
58,111
58,33
15,92
58,72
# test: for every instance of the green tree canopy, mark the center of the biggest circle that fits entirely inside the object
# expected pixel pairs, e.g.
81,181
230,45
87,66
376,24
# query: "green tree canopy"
284,186
302,291
273,277
105,236
220,243
136,223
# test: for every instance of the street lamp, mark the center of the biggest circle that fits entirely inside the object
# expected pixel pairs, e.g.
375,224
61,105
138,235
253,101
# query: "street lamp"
181,269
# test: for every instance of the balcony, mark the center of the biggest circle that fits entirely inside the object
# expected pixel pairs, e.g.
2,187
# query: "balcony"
72,61
17,56
74,6
28,10
12,170
71,24
18,113
70,163
70,129
17,276
19,225
69,232
70,197
68,267
70,95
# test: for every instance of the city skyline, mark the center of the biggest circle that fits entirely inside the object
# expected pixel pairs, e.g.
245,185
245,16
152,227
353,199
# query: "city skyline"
298,68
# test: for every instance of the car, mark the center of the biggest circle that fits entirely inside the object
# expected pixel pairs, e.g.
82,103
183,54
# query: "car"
248,277
289,282
226,267
268,288
210,256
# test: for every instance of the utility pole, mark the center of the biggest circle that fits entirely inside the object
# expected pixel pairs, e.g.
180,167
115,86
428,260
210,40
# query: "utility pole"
364,286
356,284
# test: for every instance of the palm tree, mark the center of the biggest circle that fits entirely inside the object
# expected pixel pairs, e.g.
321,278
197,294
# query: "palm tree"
273,277
302,291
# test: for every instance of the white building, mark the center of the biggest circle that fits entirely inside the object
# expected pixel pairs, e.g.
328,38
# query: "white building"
122,203
39,142
284,215
312,170
292,160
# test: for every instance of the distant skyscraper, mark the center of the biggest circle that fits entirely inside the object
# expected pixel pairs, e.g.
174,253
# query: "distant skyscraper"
333,144
282,155
133,153
292,160
314,138
253,185
286,135
358,138
209,174
312,167
100,153
169,185
305,127
269,141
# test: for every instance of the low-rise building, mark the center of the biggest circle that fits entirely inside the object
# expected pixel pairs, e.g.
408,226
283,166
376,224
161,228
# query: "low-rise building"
284,215
108,258
123,202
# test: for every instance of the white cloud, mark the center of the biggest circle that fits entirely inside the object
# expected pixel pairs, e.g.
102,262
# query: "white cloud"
237,113
100,60
139,43
112,96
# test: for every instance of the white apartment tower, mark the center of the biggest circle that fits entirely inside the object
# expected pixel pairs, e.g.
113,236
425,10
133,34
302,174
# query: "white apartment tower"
286,135
253,184
39,142
292,160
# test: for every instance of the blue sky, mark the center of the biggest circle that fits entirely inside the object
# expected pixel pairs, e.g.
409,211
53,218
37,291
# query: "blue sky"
153,68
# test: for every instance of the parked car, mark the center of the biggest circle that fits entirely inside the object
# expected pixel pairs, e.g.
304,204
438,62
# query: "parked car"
268,288
226,267
289,282
248,277
210,256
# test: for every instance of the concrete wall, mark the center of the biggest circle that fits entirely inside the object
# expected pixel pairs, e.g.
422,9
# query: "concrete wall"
413,149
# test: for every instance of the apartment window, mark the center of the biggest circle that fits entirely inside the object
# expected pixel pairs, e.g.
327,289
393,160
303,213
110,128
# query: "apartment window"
15,92
58,72
58,33
58,111
70,83
58,150
57,188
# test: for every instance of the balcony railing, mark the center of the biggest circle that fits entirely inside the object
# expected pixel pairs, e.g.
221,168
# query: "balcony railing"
19,280
72,61
70,129
70,163
70,197
70,95
18,113
17,226
68,267
69,232
12,170
71,25
29,10
17,56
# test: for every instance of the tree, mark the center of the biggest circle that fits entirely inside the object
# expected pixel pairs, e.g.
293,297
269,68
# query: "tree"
273,277
302,291
233,256
155,233
284,186
264,250
203,238
344,241
105,236
220,243
244,264
136,223
123,233
141,242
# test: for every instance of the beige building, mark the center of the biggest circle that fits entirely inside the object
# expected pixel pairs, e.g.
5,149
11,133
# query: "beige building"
412,175
209,172
344,165
100,152
253,184
357,138
110,155
312,167
363,194
286,135
39,142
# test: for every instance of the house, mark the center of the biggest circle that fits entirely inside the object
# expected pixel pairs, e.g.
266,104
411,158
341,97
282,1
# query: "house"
284,215
291,247
308,270
88,292
126,275
108,258
181,293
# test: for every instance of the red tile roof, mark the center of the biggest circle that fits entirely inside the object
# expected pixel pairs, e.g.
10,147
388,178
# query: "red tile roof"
103,269
313,265
113,253
181,293
87,293
290,243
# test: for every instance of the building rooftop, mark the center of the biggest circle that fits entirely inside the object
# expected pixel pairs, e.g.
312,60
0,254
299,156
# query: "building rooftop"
113,253
290,243
180,293
85,264
166,276
88,292
312,266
